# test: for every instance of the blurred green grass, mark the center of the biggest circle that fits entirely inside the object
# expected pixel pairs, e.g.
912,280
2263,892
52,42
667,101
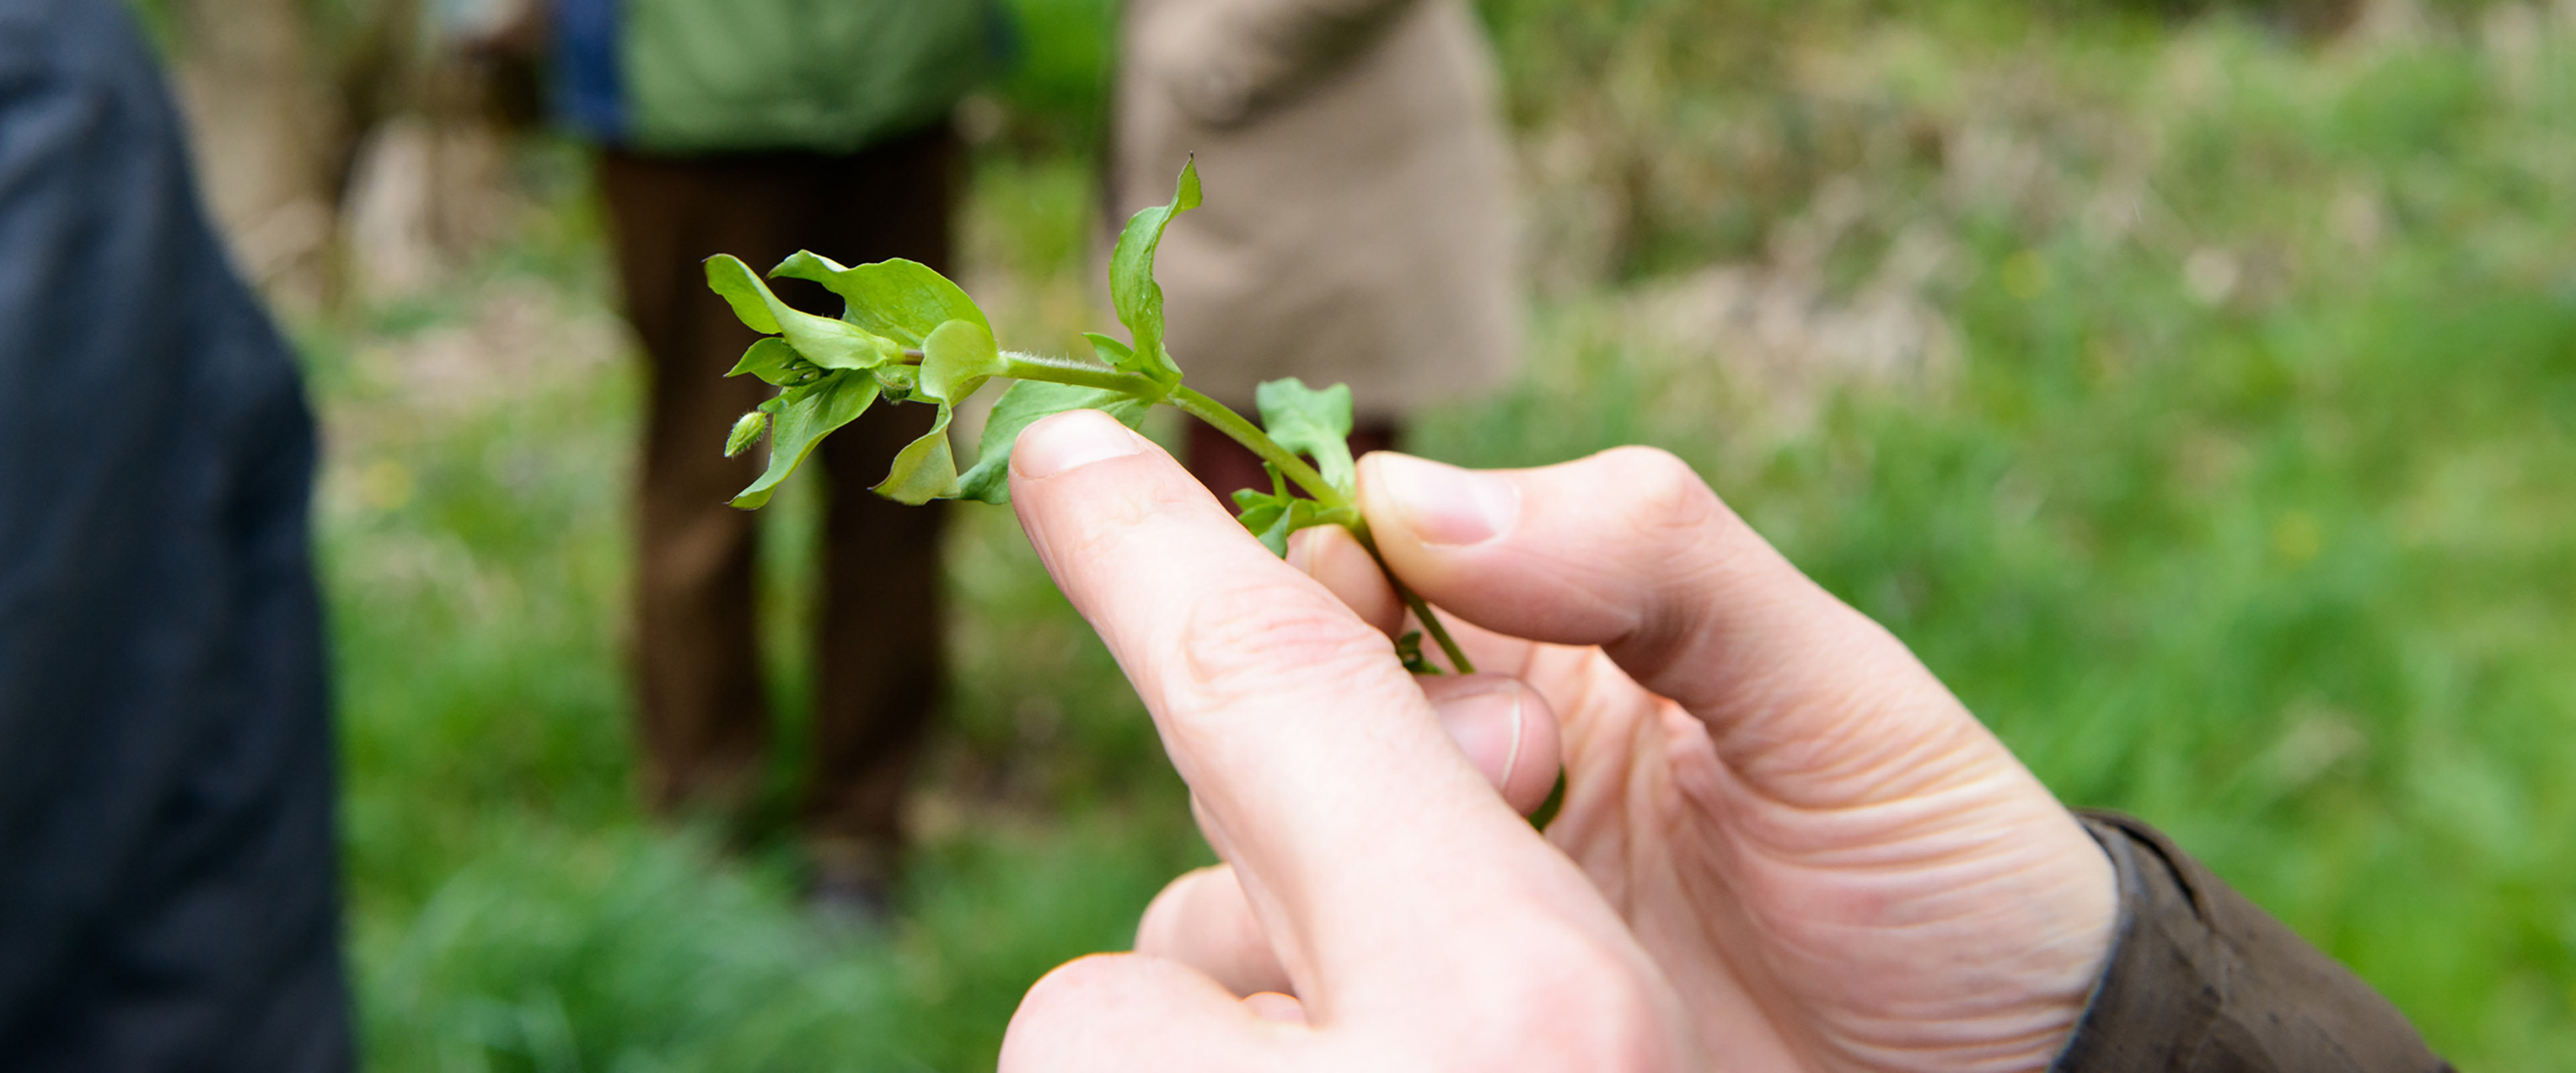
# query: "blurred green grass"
2200,405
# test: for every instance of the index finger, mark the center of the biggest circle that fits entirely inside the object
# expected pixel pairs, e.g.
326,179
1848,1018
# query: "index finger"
1363,837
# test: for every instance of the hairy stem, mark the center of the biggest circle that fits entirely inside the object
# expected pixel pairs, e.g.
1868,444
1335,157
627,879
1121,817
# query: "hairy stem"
1019,366
1191,402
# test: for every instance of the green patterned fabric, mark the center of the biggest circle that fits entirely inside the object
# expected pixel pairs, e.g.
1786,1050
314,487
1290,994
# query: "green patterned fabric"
823,75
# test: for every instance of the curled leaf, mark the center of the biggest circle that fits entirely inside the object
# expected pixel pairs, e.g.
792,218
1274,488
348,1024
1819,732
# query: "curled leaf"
1312,423
801,417
1139,300
829,343
901,299
1025,404
746,431
925,469
956,358
772,360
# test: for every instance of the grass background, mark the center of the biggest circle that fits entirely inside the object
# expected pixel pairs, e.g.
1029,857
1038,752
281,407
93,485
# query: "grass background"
2199,400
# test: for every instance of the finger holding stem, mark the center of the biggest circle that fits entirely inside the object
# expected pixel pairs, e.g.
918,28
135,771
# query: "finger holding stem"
1243,431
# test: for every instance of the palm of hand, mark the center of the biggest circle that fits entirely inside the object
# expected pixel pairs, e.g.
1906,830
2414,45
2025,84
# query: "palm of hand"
1902,907
1893,893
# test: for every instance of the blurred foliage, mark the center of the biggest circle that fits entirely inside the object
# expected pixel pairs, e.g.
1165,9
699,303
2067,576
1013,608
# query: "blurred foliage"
1057,90
2198,401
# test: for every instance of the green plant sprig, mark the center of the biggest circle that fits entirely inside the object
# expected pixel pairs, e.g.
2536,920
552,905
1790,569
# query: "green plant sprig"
908,334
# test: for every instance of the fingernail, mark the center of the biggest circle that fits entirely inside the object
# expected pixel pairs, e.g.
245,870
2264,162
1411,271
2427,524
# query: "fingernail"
1444,504
1070,441
1487,727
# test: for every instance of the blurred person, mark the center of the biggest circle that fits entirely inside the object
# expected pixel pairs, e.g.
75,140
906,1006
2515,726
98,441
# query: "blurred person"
168,867
758,128
1362,229
1784,845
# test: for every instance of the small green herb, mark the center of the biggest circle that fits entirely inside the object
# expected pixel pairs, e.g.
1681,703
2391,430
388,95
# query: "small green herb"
907,334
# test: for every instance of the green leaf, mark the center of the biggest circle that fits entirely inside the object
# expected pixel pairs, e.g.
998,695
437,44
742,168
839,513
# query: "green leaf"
956,358
1272,518
732,279
1112,353
1273,515
829,343
906,300
1310,422
1139,300
1027,402
925,469
799,418
772,360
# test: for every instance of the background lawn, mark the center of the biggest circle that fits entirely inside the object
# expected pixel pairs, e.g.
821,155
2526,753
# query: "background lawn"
2200,403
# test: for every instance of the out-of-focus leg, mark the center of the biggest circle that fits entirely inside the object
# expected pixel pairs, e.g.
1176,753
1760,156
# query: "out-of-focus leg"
879,645
701,715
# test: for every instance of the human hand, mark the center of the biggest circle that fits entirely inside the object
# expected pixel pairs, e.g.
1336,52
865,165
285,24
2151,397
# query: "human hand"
1796,850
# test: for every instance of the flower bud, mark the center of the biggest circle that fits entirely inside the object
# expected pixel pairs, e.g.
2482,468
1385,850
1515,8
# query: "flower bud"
746,432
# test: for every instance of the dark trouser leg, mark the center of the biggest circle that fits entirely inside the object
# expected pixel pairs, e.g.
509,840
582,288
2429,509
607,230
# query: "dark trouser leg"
700,711
880,642
701,717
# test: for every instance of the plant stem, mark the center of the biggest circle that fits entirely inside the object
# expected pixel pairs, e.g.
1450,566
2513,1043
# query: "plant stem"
1198,405
1191,402
1020,366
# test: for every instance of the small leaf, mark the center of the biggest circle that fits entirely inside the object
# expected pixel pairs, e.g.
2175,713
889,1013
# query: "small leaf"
1310,422
801,417
925,469
905,300
1112,353
1139,300
829,343
1025,404
772,360
956,358
1266,516
746,431
1274,516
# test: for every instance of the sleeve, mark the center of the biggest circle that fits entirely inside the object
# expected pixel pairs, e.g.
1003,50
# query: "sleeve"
1225,61
2200,979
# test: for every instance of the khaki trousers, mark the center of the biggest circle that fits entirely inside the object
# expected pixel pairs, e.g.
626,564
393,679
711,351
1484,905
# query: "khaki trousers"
701,714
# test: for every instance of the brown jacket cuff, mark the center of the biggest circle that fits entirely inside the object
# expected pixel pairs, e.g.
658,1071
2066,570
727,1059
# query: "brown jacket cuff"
2199,979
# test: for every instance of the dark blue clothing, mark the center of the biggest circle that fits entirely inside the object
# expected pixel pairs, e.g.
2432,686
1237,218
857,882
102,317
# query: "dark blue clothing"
589,88
168,887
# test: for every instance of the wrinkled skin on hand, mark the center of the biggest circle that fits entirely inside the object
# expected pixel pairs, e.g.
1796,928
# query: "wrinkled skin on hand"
1785,845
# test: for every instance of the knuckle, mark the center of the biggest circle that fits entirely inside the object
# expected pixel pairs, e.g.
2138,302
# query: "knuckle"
1072,984
1061,1010
1663,493
1586,1007
1102,524
1247,642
